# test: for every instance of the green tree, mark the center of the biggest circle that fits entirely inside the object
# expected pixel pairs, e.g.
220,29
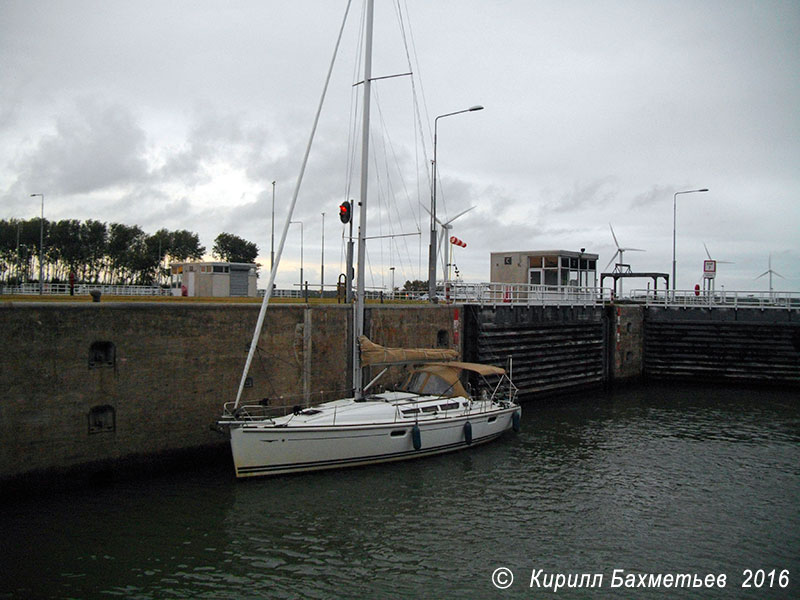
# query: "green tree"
94,235
65,247
125,244
232,248
416,286
185,245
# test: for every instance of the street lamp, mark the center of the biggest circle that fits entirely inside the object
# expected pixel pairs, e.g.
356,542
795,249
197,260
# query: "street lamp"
301,252
272,239
432,254
41,247
674,220
322,262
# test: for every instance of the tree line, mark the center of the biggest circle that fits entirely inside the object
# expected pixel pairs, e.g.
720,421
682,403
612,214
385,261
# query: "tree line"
95,252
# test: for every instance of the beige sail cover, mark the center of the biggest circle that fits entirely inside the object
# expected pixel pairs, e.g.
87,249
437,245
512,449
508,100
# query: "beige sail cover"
374,354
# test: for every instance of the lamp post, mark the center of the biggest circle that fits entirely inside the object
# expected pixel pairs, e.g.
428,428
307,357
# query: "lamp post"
41,247
674,220
432,254
301,252
392,270
322,262
272,239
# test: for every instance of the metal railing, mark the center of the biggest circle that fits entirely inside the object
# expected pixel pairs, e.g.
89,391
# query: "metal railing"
717,299
525,294
83,289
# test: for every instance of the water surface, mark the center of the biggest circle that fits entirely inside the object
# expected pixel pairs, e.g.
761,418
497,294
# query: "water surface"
655,479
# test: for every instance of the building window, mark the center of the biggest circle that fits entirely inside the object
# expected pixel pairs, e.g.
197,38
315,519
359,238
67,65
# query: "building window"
102,354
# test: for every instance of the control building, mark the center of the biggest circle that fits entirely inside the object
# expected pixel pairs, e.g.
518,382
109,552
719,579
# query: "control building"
556,269
213,279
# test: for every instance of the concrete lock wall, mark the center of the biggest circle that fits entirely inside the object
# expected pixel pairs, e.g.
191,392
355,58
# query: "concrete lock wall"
113,385
87,385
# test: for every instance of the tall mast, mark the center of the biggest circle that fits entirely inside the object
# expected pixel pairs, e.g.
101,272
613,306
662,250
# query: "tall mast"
358,326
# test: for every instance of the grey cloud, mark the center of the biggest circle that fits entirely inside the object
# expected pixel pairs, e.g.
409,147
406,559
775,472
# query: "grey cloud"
94,146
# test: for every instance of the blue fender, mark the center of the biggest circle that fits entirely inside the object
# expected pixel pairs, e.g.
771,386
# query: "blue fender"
468,432
416,437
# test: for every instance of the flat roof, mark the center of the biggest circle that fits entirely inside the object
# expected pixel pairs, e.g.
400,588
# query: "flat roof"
570,253
214,264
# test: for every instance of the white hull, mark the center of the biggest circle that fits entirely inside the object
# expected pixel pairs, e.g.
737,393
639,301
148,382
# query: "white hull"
267,448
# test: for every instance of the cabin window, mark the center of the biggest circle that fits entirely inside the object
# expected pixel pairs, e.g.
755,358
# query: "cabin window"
436,385
102,354
449,406
421,382
398,433
410,412
414,382
429,409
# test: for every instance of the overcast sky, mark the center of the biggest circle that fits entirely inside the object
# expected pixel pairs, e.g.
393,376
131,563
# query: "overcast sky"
181,114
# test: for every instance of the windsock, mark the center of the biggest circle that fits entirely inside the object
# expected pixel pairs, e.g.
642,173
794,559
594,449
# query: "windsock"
457,242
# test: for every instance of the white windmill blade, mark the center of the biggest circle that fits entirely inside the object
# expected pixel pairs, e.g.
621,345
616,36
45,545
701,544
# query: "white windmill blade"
437,218
440,245
616,243
764,273
720,262
613,258
463,212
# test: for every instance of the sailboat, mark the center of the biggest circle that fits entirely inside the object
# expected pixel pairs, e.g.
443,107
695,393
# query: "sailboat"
432,412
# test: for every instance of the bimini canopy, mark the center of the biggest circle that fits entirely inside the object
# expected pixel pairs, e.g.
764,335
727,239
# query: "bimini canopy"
374,354
442,379
478,368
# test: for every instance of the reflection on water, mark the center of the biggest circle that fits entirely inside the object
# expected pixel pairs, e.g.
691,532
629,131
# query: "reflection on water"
656,479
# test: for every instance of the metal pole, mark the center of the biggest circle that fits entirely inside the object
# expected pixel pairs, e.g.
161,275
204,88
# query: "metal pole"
41,247
272,238
349,274
432,252
674,221
301,251
322,262
358,326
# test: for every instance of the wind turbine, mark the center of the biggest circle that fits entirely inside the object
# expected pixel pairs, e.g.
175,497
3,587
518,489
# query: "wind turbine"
444,233
723,262
620,252
710,270
770,272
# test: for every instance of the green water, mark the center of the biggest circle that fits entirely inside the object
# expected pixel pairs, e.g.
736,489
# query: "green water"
653,480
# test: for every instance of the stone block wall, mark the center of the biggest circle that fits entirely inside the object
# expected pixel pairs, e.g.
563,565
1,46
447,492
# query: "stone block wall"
100,383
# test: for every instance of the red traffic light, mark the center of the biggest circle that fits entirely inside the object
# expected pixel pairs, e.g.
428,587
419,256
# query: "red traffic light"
345,213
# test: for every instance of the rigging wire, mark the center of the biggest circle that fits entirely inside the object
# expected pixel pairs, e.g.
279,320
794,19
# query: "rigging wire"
265,302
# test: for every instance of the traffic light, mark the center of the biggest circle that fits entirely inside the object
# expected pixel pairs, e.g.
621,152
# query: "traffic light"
345,213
